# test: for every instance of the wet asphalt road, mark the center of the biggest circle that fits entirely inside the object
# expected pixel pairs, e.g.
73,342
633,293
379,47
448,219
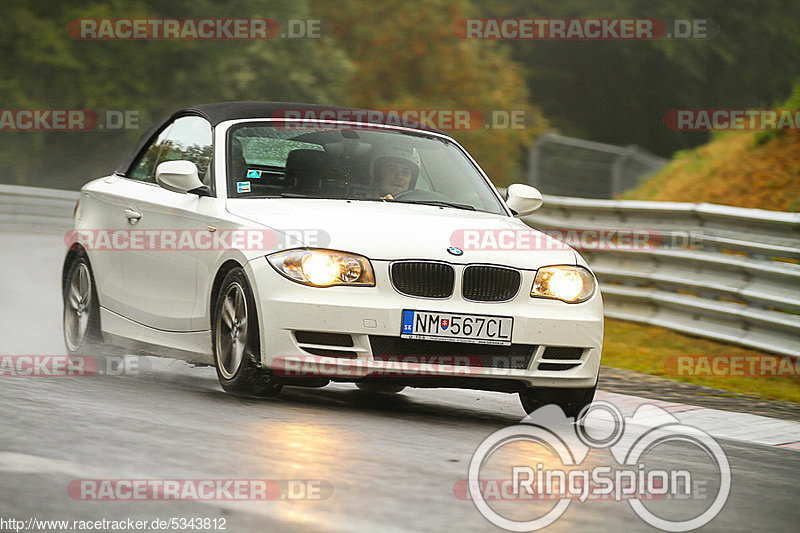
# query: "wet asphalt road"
387,464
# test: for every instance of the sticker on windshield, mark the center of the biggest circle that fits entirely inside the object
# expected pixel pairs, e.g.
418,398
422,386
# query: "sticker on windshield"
254,174
242,186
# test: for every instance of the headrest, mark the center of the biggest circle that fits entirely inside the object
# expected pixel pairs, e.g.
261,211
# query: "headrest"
306,169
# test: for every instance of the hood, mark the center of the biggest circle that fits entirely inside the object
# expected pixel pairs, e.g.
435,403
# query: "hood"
390,231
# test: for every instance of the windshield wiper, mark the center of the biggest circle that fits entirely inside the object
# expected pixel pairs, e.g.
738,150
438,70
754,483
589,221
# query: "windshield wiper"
290,194
438,203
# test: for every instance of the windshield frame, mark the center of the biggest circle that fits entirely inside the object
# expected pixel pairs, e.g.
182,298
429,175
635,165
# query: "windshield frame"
224,131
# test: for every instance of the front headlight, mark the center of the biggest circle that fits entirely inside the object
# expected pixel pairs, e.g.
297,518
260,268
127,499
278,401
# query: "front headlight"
572,284
323,268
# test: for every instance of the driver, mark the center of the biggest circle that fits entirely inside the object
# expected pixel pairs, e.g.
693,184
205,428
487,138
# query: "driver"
394,169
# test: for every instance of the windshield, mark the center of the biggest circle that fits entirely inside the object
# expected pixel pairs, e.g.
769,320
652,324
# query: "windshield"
357,164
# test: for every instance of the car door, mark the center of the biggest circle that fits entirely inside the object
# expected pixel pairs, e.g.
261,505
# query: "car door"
160,268
102,228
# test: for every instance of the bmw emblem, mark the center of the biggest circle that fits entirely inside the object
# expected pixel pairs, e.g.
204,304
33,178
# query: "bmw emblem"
455,251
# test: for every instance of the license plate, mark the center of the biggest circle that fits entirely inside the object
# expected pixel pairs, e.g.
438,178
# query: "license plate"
457,327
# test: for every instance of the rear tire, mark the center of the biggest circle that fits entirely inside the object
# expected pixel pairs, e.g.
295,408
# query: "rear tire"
81,317
571,401
236,340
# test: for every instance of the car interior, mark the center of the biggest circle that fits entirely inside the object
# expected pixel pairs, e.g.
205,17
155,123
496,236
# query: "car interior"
329,165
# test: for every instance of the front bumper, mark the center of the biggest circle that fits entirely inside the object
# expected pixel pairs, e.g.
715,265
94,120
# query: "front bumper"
372,314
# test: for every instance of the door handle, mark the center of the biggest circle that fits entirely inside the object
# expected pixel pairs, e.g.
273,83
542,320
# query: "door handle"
132,216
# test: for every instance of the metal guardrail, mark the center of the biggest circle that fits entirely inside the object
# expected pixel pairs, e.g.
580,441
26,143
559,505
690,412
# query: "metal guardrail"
31,208
725,273
731,274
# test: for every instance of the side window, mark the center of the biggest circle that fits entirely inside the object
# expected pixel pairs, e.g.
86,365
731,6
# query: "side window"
188,138
144,169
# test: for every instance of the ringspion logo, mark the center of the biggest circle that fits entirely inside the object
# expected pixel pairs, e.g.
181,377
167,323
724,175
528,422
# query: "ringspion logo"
561,472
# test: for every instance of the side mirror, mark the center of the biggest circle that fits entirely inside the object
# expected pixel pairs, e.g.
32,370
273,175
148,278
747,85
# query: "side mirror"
178,176
523,199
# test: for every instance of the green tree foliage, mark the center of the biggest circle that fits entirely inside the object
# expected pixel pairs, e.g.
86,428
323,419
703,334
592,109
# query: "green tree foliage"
42,67
793,102
406,56
619,91
389,55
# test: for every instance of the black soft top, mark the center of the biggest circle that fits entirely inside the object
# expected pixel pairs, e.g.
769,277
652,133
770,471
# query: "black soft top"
222,111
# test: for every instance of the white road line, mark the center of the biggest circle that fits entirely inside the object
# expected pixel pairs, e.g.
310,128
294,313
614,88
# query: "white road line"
721,424
730,425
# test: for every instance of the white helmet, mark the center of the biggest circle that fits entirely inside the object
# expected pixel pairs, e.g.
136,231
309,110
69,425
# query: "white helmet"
400,154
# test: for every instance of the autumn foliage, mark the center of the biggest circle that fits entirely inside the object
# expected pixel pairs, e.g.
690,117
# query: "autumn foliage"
411,59
734,169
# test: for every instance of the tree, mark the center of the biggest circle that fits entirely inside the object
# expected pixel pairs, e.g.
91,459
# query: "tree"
42,67
619,91
406,55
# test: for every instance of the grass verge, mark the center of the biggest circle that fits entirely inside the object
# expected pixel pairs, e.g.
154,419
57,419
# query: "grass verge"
655,351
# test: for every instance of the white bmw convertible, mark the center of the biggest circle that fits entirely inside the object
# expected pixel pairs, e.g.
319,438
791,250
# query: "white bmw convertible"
299,252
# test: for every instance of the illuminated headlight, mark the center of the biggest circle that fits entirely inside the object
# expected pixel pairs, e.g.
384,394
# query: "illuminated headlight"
568,283
323,268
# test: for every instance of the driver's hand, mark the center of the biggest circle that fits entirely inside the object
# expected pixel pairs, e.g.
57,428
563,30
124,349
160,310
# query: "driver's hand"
387,197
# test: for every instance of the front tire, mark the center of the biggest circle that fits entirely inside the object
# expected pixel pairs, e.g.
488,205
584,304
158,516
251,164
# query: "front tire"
81,318
236,340
571,401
